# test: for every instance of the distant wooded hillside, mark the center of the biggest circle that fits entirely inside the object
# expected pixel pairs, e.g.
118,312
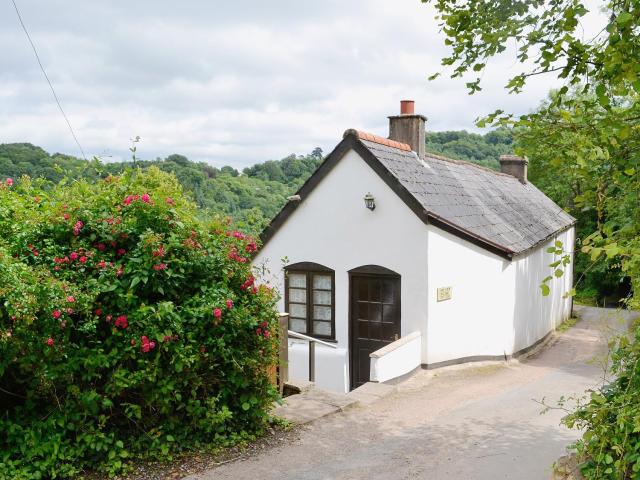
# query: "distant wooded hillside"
462,145
252,196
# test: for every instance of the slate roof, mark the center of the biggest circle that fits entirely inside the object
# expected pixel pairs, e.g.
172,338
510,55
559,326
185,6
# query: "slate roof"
491,209
489,205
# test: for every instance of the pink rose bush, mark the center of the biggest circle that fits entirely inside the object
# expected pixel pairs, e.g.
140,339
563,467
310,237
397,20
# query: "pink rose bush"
128,327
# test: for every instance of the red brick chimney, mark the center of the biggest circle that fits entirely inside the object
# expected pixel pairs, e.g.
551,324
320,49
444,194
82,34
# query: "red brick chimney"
408,127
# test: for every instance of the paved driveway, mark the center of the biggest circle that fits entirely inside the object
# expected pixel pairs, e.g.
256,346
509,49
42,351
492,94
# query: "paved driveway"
479,422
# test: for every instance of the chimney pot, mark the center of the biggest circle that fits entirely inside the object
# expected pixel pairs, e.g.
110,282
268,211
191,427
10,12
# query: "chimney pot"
408,127
407,107
515,166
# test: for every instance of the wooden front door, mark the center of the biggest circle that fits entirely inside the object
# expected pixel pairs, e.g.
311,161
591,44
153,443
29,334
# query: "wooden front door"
374,319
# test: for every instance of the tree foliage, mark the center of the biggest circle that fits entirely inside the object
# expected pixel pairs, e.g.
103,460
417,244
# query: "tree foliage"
548,37
576,161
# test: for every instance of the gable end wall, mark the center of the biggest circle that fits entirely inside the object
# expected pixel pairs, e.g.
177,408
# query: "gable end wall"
332,227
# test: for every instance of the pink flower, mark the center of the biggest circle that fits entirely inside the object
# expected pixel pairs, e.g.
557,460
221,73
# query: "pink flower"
247,283
122,322
9,182
50,341
69,311
98,311
133,342
71,299
146,344
83,259
264,324
159,252
121,251
102,264
108,318
170,201
166,339
101,247
9,334
160,266
251,247
145,198
57,314
217,312
66,216
229,303
78,226
266,334
73,256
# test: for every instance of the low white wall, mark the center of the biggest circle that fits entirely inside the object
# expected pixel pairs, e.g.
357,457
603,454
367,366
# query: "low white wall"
397,358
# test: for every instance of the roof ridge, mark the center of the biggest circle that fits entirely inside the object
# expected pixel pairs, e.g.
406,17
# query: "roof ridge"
467,162
377,139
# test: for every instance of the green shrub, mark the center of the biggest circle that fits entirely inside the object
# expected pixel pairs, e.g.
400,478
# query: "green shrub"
610,418
128,328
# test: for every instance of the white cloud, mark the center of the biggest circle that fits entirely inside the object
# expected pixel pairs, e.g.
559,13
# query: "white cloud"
230,83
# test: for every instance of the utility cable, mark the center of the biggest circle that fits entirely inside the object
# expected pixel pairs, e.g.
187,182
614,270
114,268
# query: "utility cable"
47,78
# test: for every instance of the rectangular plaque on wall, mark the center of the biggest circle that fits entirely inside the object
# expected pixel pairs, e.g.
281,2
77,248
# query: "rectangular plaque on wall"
444,293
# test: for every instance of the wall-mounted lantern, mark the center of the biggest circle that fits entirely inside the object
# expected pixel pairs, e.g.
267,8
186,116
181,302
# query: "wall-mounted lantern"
370,202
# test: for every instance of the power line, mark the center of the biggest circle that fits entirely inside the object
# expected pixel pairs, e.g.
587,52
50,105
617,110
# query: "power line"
48,81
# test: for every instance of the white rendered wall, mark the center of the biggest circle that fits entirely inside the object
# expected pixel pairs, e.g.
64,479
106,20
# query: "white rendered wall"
535,315
477,319
496,307
332,227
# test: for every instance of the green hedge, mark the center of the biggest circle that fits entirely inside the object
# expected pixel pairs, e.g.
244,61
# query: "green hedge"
610,417
128,328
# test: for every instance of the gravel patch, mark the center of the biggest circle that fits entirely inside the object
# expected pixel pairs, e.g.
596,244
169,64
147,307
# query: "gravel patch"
193,463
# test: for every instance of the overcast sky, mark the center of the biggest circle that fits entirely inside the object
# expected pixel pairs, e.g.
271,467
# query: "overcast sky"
230,82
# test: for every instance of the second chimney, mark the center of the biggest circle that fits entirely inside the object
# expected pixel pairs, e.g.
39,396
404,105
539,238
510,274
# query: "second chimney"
408,127
515,166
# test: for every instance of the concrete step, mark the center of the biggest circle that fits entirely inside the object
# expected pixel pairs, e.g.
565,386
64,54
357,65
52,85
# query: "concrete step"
313,403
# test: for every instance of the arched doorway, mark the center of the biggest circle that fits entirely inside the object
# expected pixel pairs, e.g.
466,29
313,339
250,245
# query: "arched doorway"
374,316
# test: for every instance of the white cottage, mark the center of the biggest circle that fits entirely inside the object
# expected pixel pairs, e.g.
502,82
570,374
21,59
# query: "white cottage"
402,259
